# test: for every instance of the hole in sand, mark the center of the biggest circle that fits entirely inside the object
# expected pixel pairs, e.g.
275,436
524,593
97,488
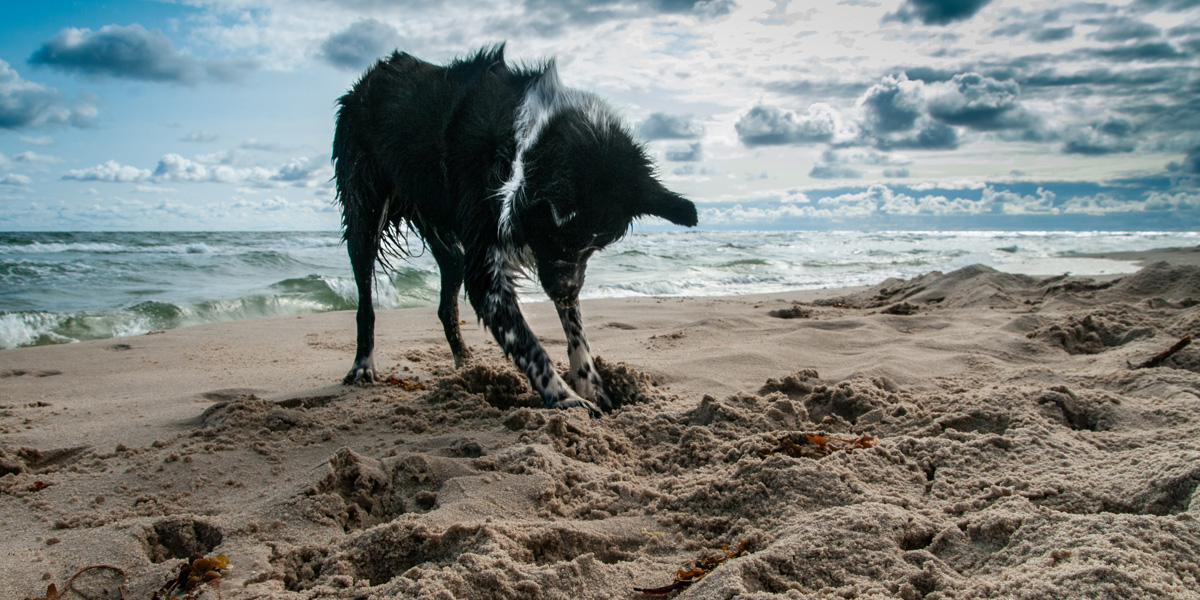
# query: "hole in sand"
179,537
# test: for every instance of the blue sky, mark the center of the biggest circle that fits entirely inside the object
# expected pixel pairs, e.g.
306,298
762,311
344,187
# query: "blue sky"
895,114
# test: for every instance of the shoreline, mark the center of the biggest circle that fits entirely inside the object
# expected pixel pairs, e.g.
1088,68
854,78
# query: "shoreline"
1013,445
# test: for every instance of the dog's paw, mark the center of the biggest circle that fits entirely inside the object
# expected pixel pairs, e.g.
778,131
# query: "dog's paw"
574,401
592,388
603,400
462,357
362,373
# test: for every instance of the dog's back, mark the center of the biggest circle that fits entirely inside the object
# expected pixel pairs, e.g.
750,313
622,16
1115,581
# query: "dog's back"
390,139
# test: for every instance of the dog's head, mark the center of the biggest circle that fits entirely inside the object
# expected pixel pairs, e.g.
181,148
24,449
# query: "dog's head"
585,181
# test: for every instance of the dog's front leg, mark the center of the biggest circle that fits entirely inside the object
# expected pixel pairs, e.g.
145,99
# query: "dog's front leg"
490,286
583,374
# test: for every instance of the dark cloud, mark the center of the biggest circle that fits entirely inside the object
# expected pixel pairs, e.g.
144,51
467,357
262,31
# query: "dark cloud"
1151,51
1122,30
1052,34
893,104
978,102
933,135
1190,164
929,74
662,126
360,44
937,12
684,153
24,103
1136,80
834,171
131,52
1110,136
824,90
1174,5
896,173
766,125
551,17
1036,26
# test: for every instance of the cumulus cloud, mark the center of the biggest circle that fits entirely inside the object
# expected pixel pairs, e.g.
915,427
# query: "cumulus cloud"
15,179
1110,136
360,44
1190,165
837,164
110,171
988,201
899,112
893,104
684,153
131,52
24,103
978,102
932,135
937,12
766,124
174,168
834,171
662,126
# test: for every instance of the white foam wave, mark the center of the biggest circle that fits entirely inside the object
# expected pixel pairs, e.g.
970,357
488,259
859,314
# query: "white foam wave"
24,329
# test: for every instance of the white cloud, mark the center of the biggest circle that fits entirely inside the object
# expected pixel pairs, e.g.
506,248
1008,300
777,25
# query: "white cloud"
109,171
29,156
211,168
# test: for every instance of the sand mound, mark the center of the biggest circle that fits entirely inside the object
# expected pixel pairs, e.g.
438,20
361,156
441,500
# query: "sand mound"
990,443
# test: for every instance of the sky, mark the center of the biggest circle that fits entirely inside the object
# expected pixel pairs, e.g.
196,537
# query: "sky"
773,114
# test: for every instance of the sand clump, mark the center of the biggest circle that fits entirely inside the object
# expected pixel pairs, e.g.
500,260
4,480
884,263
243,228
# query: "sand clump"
1012,453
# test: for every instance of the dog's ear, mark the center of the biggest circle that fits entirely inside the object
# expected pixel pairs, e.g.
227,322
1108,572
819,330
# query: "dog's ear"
559,194
672,207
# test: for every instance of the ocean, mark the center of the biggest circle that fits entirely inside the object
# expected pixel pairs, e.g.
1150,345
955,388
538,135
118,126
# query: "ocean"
66,287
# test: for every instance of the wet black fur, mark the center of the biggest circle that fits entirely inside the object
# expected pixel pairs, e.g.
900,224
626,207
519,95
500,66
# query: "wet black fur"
429,147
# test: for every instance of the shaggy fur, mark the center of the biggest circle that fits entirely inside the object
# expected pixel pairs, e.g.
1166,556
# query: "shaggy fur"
499,170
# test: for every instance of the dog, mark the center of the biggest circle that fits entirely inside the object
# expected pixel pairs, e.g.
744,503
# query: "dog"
501,171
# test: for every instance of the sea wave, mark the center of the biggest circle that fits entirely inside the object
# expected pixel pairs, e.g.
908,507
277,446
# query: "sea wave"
61,287
288,297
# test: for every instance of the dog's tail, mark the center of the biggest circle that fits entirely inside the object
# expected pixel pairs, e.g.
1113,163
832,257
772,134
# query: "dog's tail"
672,207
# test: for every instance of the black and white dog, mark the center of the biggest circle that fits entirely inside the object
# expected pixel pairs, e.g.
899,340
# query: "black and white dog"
499,169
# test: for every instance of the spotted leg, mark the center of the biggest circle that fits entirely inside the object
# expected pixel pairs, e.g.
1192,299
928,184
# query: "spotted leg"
583,375
450,262
491,290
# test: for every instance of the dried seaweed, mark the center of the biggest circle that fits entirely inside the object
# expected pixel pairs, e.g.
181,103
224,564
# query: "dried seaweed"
812,445
405,383
52,592
193,573
695,570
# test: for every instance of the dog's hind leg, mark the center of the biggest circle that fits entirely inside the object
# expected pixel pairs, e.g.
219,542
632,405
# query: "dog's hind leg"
490,287
583,375
362,243
449,258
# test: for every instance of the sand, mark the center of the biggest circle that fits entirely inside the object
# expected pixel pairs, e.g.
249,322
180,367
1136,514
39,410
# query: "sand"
1006,450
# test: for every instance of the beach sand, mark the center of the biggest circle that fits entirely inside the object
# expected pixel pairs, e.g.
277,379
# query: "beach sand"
1005,449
